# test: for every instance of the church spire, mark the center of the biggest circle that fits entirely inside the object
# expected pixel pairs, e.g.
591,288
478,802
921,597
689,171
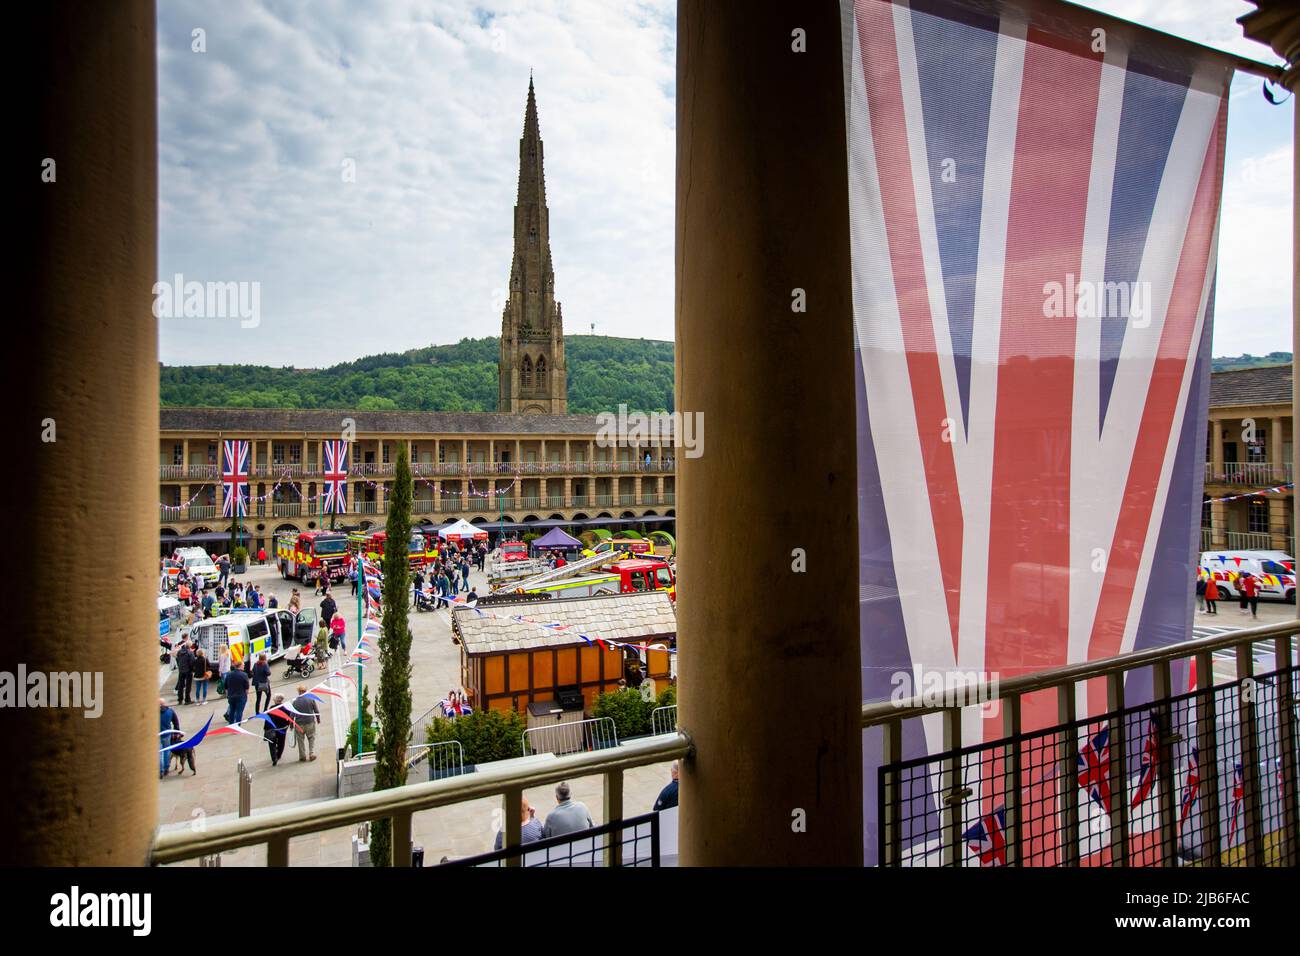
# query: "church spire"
532,368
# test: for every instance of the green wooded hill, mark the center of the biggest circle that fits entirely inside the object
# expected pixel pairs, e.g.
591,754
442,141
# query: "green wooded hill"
604,372
1226,363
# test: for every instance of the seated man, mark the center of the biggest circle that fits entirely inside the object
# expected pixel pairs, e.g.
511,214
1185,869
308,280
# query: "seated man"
569,815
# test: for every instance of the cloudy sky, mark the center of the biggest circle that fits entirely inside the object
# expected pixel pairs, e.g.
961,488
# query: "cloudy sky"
424,100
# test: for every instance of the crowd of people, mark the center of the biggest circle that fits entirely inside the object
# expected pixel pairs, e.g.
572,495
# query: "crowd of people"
437,584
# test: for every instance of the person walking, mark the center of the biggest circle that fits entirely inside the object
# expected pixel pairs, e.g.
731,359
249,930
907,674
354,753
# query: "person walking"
327,608
1200,593
276,730
261,555
202,669
223,570
261,682
352,574
1250,594
167,720
1211,596
236,694
306,714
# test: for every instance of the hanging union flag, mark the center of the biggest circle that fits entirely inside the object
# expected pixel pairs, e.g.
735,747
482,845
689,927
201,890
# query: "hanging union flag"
336,477
1034,203
234,479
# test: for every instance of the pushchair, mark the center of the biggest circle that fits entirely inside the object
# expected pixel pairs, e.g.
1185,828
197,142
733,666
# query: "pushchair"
424,601
299,662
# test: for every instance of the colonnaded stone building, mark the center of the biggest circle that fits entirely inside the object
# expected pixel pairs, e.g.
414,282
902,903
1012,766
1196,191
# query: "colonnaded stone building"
530,464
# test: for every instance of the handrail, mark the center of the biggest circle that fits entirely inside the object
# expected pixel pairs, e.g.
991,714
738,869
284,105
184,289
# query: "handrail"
281,825
881,712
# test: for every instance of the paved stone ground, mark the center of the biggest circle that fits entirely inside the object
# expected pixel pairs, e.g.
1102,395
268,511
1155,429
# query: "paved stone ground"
454,831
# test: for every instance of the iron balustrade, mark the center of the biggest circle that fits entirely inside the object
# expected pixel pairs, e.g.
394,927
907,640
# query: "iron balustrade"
275,828
1208,777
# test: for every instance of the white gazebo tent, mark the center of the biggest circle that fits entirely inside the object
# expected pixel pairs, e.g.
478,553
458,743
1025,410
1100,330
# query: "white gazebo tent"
462,530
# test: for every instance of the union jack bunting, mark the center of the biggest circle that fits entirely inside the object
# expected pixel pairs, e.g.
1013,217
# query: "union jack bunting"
336,477
987,838
234,478
1094,768
1033,229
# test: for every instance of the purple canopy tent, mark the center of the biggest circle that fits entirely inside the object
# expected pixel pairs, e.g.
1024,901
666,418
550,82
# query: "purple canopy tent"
557,539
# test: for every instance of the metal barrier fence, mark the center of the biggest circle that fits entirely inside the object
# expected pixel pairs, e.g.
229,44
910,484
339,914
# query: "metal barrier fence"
578,736
663,720
1204,778
631,842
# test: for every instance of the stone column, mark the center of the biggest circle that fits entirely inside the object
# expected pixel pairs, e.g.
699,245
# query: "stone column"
1219,523
83,791
1216,447
568,492
762,788
1275,456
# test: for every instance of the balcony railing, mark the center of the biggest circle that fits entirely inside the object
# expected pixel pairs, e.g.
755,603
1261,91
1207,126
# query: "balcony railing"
627,499
1217,785
286,509
275,828
365,507
604,500
423,506
1255,473
580,501
555,501
530,502
201,512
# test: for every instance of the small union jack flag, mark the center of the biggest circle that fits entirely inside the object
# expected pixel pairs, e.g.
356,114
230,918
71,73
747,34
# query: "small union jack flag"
987,838
1094,768
1238,793
1150,757
234,478
1192,787
336,477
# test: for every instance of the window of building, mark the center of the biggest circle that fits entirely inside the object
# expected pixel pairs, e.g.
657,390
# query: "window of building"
1258,516
526,372
178,454
1206,511
541,370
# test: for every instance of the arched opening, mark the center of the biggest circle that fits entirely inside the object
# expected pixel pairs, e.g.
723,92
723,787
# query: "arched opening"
541,371
526,372
580,517
286,528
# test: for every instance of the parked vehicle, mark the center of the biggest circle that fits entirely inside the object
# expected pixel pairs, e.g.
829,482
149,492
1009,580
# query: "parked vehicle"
249,633
642,547
621,577
372,546
1274,572
311,555
198,561
512,551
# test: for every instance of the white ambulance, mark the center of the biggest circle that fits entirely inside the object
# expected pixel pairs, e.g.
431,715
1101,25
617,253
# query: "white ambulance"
198,561
1274,572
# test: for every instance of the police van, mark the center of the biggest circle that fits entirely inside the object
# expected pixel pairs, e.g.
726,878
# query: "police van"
1274,572
249,633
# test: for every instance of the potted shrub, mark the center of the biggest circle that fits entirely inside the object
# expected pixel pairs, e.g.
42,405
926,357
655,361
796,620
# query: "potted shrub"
239,560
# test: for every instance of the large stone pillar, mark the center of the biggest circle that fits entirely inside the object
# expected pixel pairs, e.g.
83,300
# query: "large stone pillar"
83,790
762,209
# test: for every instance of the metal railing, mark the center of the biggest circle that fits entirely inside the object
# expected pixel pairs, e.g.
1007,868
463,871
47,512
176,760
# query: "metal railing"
201,512
636,838
597,733
1248,473
275,828
663,720
1202,778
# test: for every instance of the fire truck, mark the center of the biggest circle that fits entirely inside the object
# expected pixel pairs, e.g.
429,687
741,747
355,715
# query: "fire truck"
620,577
309,555
372,546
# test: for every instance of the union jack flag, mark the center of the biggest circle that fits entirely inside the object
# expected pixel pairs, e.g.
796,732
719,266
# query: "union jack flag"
987,838
1192,787
1094,768
336,477
1150,757
234,479
1033,229
1238,792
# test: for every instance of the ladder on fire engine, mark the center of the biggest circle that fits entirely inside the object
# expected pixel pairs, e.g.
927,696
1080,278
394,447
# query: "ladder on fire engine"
569,570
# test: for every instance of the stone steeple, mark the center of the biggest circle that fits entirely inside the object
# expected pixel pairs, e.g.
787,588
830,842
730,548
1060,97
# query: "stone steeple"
531,369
